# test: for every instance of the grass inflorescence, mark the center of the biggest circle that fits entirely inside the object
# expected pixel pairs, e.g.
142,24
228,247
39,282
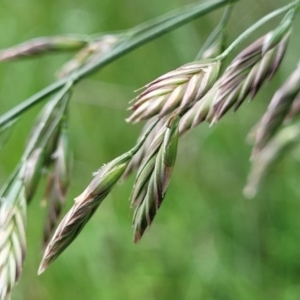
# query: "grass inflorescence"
173,104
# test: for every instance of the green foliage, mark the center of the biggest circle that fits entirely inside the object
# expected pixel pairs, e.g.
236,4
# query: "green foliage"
207,242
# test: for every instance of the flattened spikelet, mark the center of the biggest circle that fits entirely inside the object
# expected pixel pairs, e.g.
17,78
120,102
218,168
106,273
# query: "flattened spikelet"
41,45
12,237
153,178
278,109
246,74
180,88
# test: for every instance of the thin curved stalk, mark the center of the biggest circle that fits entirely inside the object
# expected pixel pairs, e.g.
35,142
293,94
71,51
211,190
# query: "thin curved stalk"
221,26
262,21
135,39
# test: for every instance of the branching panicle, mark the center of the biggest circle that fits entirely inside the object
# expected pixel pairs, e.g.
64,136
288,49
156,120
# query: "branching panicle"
173,104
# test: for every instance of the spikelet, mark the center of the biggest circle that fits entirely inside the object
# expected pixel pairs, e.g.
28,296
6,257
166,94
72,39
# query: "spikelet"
41,45
180,89
87,203
251,68
261,163
278,110
12,235
58,183
153,177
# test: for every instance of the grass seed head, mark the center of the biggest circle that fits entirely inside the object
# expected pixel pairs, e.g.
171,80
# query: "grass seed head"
12,236
41,45
180,89
58,184
32,172
278,109
153,178
84,207
265,159
246,73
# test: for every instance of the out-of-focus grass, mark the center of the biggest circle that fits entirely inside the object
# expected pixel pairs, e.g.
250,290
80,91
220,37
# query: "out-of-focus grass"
207,241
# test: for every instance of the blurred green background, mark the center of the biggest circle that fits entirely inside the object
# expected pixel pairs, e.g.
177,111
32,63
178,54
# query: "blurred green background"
207,241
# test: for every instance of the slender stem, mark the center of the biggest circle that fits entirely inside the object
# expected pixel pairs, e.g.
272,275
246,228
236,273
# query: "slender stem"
133,41
142,140
154,31
218,30
36,137
255,26
8,182
31,101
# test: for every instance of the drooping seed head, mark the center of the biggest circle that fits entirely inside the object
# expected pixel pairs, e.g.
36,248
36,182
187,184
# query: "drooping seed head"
41,143
177,89
87,203
12,236
32,172
41,45
63,159
43,122
264,160
246,74
153,178
45,132
278,109
146,167
58,184
83,209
